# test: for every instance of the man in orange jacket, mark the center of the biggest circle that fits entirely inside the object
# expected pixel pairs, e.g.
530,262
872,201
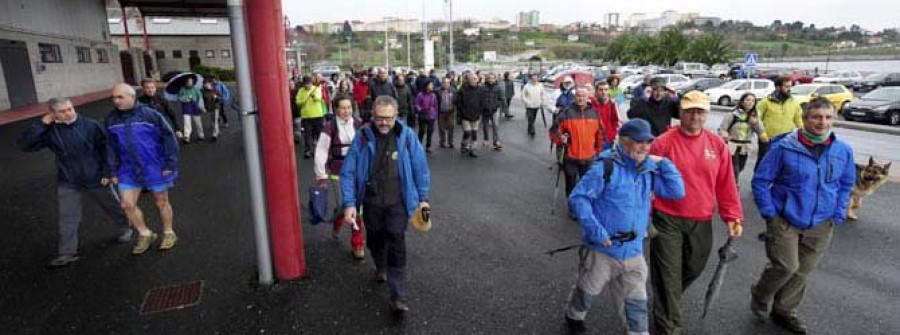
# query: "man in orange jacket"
578,129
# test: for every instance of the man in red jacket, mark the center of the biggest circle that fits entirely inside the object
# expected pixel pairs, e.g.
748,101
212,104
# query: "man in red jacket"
680,250
361,95
609,113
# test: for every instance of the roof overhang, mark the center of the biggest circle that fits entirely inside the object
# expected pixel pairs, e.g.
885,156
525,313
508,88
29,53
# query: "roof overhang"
193,8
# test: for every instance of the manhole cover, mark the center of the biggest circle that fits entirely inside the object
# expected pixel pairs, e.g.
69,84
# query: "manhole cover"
166,298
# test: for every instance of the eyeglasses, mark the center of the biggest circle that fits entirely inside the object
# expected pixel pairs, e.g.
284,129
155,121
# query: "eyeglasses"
384,118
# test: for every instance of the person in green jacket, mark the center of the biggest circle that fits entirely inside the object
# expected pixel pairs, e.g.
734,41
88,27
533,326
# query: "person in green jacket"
309,100
780,113
191,110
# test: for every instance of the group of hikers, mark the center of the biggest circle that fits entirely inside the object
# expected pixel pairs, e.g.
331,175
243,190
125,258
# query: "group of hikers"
626,181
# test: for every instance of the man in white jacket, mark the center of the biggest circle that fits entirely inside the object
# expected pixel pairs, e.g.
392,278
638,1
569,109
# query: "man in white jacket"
534,96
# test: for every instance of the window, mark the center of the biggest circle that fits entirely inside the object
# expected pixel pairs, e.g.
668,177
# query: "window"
102,56
208,21
210,53
743,87
758,85
160,20
194,53
176,53
160,54
226,53
84,54
50,53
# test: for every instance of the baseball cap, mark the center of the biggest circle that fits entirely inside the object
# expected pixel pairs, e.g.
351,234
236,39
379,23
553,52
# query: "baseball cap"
657,81
695,99
636,130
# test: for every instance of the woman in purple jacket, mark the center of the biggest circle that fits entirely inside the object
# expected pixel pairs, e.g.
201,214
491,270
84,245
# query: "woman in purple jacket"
427,109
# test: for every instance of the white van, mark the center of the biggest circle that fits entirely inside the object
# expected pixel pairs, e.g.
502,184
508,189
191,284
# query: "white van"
691,69
731,91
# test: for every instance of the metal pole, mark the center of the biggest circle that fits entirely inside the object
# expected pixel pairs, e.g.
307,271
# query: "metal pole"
452,55
387,62
276,134
125,25
251,140
424,36
408,48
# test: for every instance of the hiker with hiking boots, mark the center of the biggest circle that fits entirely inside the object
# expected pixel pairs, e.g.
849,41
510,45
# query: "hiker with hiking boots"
612,204
386,173
79,144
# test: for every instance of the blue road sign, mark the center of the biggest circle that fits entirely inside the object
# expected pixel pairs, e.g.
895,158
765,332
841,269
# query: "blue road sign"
750,59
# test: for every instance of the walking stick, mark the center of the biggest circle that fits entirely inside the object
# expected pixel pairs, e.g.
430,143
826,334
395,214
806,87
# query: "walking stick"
558,172
543,117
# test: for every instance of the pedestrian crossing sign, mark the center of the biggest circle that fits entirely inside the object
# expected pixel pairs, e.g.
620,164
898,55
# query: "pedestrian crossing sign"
750,59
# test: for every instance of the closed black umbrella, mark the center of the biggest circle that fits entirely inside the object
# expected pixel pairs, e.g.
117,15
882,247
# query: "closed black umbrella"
727,254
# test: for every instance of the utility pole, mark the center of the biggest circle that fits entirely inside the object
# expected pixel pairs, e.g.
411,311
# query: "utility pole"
387,63
424,35
408,48
452,55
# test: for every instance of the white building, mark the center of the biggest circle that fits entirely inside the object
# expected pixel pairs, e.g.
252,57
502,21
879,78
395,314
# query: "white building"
54,48
529,20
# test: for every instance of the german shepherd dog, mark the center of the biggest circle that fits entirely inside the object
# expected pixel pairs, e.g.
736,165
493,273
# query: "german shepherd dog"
868,179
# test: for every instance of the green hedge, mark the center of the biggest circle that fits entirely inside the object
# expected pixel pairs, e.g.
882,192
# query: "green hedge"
210,71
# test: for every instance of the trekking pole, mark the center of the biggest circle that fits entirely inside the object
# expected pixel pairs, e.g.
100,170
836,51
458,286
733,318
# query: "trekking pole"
558,172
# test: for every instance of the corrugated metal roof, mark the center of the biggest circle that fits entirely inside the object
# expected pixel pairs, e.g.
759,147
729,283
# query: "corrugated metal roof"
187,26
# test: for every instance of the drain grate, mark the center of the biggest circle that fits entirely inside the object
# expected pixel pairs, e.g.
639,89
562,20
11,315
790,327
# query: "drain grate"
167,298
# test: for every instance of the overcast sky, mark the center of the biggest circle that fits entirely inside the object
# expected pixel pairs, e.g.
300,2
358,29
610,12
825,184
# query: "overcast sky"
869,14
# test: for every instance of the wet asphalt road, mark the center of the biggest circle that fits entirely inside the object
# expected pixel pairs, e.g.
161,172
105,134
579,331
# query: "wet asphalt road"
481,270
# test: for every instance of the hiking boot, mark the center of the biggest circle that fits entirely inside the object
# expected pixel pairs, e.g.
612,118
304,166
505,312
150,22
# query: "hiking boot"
380,275
450,145
399,307
125,235
759,308
790,323
143,243
428,150
62,261
442,145
168,241
473,154
575,326
307,155
213,139
464,150
498,146
359,254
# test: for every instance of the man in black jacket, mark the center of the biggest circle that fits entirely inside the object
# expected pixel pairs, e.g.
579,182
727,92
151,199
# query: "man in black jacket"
405,102
381,85
152,97
510,90
470,106
494,100
659,108
79,144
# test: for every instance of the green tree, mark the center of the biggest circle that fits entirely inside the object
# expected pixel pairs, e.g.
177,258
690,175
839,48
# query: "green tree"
710,49
670,47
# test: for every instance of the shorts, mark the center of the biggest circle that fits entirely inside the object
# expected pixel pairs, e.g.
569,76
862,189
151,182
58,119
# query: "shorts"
156,188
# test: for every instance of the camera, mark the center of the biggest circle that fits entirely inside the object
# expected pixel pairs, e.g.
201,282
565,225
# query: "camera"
622,237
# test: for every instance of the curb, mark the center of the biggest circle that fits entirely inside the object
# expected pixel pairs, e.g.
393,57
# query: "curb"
874,128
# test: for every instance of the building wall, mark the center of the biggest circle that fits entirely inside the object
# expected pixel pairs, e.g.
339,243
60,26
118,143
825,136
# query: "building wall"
68,24
168,44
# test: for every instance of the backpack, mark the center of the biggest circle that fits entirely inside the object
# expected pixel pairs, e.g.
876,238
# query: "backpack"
735,120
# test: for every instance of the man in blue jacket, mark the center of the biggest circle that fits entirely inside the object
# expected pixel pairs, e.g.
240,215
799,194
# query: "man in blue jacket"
225,101
801,189
386,172
142,153
79,144
612,204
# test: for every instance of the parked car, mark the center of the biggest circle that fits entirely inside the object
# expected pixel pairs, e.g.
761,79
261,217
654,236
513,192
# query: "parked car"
672,80
700,84
327,70
720,71
877,80
691,69
846,78
630,82
839,95
630,70
731,91
795,76
881,105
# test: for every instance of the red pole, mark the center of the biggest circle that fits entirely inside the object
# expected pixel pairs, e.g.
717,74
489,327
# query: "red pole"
144,28
267,54
125,24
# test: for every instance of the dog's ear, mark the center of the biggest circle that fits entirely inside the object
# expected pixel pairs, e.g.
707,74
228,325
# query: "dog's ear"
887,166
860,167
871,160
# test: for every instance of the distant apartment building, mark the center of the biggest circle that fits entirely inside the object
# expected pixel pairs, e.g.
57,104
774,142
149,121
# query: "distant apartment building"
529,20
640,22
392,24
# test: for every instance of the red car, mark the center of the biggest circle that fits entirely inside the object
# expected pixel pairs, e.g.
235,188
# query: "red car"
796,76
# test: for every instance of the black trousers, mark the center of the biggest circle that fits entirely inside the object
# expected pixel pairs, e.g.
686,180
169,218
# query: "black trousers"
532,115
311,130
223,112
763,149
574,169
738,161
426,129
386,238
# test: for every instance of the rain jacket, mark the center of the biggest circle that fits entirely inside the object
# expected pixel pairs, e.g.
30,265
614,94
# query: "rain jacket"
80,149
141,145
790,182
534,96
565,99
780,115
658,113
623,203
224,93
494,98
414,175
585,133
469,102
310,102
427,104
609,119
361,94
